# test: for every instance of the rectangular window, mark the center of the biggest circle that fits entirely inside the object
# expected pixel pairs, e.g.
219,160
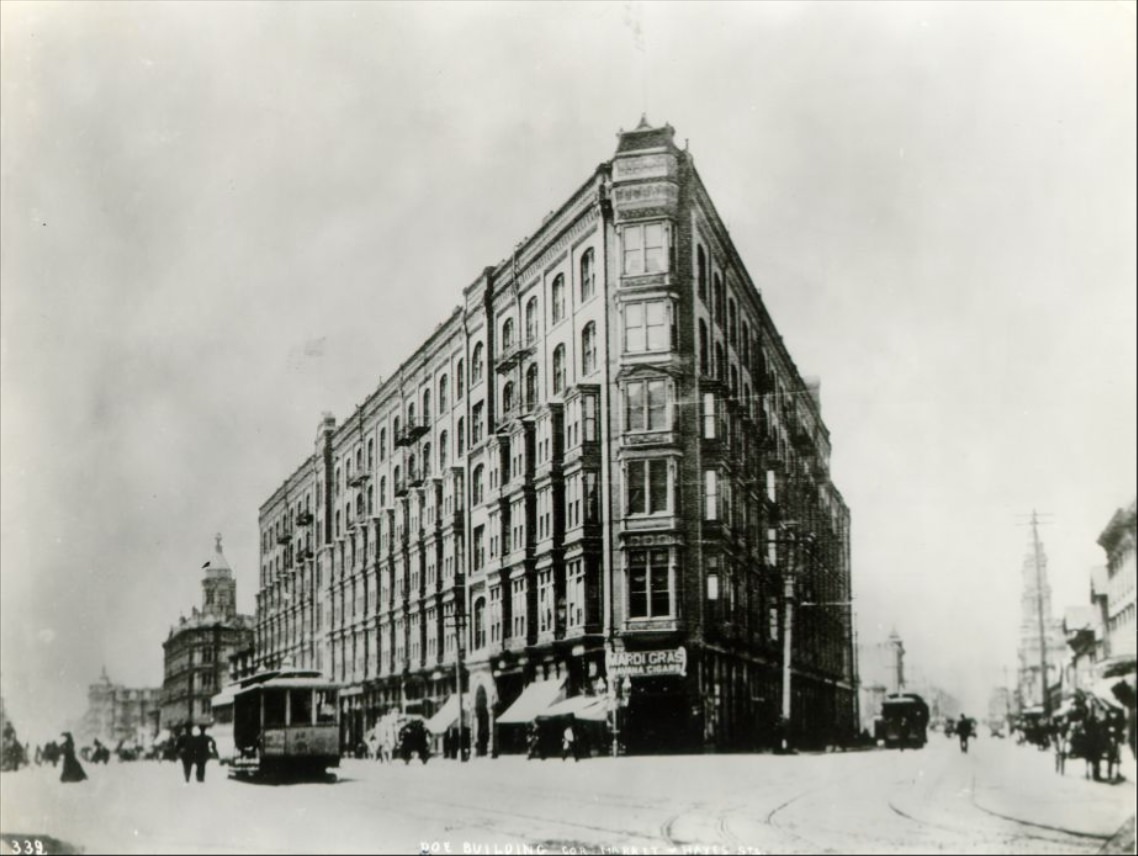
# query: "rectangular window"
647,405
545,614
711,495
709,416
647,486
496,614
575,594
479,547
649,586
646,327
645,250
518,608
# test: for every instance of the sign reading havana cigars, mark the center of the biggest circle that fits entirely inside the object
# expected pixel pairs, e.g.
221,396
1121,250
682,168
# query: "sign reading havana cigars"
637,664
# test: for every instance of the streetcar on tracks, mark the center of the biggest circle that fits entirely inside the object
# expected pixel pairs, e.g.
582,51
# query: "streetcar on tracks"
279,722
904,721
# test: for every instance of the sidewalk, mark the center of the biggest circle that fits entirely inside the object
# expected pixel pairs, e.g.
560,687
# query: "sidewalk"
1020,783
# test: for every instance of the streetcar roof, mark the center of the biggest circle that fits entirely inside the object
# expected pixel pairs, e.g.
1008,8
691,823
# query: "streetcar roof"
290,682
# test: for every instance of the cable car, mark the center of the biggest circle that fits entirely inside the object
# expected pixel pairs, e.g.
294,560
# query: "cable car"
282,721
904,720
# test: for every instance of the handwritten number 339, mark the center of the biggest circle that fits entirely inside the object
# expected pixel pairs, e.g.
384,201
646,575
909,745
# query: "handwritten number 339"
27,847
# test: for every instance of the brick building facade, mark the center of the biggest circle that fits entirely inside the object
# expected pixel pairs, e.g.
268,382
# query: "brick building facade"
605,451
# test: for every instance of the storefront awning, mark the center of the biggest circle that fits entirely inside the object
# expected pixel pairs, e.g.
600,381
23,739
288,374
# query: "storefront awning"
533,701
446,717
580,707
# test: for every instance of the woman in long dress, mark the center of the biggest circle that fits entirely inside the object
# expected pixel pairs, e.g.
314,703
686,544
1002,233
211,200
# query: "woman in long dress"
72,769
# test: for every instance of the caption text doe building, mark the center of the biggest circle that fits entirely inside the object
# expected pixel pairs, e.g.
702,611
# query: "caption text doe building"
603,465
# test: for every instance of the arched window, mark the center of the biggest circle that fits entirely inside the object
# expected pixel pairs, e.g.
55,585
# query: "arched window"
588,276
443,394
359,505
731,339
531,320
557,297
531,387
442,453
395,429
411,470
720,361
383,492
508,336
459,380
426,460
397,480
411,415
461,433
703,348
476,364
426,407
476,483
589,348
508,397
383,444
744,343
559,370
717,299
701,274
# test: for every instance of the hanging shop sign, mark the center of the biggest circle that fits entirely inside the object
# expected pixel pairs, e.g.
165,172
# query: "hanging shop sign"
640,664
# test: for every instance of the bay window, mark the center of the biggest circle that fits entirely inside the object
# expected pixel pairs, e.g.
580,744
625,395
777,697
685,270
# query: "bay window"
645,249
649,584
646,405
647,486
646,327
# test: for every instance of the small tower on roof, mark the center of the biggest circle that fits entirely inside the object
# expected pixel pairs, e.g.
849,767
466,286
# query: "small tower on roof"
219,589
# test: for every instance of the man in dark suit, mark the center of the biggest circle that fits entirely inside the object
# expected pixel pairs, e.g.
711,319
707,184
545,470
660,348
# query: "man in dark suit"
202,748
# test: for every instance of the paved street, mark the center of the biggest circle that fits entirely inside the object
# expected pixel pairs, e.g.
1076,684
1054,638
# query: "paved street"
1000,798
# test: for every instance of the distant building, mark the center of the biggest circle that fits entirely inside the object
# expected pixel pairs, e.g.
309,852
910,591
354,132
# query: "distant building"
1040,634
1117,540
197,651
1083,634
117,713
881,669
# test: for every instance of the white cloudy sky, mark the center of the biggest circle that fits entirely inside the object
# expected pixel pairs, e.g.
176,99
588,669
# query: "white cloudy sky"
219,220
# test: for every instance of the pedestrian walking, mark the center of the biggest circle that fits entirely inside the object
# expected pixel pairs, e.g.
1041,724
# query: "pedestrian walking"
964,731
72,769
569,742
202,748
184,748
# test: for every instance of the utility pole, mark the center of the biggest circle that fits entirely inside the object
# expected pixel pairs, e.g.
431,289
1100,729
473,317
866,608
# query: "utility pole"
1039,611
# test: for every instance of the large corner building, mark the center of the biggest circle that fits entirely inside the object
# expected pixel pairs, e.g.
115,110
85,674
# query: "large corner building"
197,650
601,475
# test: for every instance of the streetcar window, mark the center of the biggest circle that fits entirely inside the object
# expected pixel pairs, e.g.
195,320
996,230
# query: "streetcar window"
325,707
300,707
274,708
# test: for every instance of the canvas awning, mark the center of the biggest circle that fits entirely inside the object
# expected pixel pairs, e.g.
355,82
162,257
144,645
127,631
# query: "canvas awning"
1103,691
446,716
592,708
534,701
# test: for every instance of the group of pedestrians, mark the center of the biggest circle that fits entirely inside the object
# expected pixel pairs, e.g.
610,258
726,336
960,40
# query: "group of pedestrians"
194,750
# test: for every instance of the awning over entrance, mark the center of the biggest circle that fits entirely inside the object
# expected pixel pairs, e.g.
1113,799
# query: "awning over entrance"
581,707
533,701
446,717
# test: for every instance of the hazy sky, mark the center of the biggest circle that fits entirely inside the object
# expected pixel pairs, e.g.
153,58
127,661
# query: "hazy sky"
220,220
